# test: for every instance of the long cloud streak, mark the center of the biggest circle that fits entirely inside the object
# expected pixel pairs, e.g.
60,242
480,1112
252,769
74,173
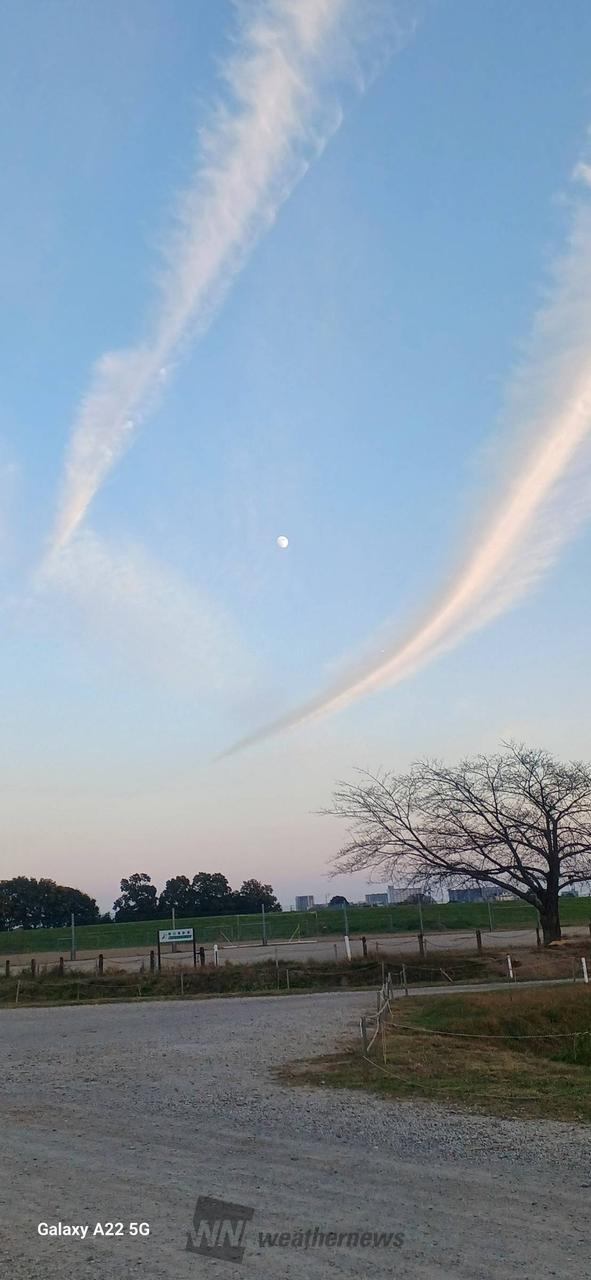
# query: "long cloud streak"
256,150
544,496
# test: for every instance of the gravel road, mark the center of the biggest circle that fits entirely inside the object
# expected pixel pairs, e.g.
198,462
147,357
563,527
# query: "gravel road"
128,1113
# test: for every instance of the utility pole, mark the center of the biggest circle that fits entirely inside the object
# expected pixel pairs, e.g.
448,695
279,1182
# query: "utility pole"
264,924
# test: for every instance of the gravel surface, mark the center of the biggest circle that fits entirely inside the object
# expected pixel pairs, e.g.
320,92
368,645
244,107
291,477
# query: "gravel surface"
128,1113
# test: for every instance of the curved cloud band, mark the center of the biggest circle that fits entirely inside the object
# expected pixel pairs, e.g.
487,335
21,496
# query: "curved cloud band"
541,501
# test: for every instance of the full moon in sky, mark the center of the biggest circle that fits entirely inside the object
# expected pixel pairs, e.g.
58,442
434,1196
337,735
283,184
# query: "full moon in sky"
282,541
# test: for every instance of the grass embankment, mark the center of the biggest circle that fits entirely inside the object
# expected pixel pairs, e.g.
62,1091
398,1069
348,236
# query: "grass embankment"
511,1053
304,924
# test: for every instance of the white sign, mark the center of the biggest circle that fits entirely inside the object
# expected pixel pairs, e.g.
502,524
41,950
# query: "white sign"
175,935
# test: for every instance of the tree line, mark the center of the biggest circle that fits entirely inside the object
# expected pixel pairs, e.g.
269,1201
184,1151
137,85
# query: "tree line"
207,894
26,903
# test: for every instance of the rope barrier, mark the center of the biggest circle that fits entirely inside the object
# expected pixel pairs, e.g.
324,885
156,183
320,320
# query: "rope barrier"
386,1006
468,1035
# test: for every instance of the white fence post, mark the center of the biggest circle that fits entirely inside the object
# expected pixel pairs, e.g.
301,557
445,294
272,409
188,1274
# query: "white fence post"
584,968
510,969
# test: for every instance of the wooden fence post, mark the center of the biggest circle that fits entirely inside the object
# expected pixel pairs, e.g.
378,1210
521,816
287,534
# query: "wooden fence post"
421,938
538,938
364,946
33,968
152,962
478,941
101,964
61,966
7,969
202,956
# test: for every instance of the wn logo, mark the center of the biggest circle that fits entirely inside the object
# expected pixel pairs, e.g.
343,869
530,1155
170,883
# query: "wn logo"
219,1229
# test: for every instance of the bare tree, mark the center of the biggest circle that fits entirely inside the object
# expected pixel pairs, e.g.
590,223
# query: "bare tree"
519,820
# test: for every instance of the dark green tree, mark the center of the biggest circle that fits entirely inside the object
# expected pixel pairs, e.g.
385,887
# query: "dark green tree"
138,900
26,903
253,895
213,895
178,893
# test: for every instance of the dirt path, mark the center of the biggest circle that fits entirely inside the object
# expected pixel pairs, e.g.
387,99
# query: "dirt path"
129,1113
328,949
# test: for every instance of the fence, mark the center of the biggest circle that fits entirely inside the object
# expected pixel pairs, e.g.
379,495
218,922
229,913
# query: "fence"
373,1028
436,957
323,922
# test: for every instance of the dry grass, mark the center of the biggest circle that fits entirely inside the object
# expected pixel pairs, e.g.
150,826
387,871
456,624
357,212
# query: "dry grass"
49,987
515,1053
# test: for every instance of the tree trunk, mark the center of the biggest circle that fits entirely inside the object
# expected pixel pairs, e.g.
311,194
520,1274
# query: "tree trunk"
550,922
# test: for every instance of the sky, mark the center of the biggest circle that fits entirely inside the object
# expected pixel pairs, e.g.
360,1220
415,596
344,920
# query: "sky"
314,271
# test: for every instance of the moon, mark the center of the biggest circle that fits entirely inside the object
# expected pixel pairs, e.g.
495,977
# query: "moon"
282,541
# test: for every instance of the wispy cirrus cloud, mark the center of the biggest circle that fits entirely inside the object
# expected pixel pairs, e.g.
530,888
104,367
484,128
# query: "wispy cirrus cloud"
280,108
149,617
542,498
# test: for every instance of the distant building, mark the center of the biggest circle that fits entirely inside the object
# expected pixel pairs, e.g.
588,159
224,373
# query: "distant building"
478,893
396,895
377,899
304,902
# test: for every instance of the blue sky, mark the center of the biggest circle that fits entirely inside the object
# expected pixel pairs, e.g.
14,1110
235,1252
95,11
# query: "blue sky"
345,393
